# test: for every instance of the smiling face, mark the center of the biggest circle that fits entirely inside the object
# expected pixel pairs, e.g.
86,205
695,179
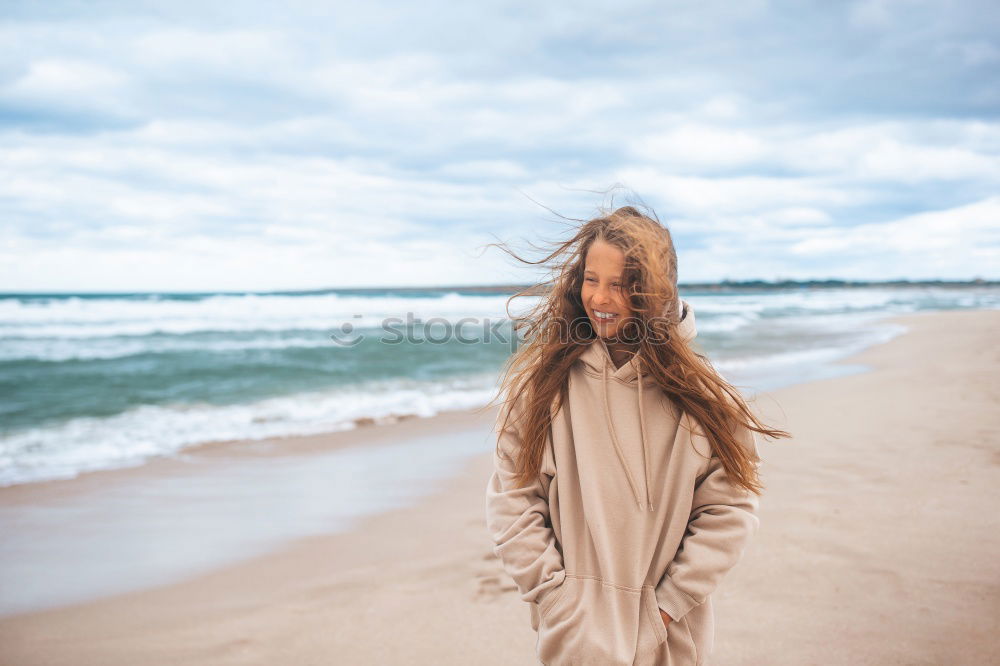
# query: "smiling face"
602,291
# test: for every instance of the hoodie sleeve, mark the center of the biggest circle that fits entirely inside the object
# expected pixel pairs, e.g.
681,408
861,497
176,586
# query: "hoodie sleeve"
519,524
723,520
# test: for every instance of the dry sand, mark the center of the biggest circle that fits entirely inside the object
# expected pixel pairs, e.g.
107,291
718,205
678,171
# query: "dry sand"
879,544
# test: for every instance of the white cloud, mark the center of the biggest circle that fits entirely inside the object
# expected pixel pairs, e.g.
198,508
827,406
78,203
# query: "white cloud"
57,79
700,145
254,137
958,243
957,233
240,52
887,152
698,197
723,107
892,151
801,216
492,169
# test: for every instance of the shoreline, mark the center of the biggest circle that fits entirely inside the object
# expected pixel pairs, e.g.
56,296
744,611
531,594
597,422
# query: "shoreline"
229,503
228,450
315,595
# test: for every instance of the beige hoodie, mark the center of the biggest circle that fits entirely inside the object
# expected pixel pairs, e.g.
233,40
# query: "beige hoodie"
630,514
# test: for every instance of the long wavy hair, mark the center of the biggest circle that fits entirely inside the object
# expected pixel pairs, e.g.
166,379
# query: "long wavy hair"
557,331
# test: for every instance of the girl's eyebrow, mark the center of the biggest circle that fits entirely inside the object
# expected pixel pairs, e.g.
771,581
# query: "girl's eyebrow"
617,277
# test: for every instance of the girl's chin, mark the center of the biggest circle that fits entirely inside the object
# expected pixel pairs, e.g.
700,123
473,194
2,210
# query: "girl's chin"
609,330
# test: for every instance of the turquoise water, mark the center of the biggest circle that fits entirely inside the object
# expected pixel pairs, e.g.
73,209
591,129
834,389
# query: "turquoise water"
91,382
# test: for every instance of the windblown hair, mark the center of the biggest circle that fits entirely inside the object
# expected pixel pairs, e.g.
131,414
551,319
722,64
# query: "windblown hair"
557,331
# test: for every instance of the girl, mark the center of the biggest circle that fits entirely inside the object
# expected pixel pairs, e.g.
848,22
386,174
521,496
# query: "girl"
625,482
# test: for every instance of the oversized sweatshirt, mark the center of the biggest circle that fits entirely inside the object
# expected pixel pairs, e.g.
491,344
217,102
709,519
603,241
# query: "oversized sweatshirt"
630,513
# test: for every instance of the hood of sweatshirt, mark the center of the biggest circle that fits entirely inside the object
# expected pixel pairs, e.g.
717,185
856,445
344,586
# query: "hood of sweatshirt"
598,365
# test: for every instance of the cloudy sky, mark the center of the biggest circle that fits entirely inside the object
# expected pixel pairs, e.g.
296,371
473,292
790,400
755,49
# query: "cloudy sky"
202,146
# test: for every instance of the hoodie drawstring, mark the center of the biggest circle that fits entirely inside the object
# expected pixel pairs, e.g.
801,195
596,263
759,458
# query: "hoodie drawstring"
642,433
642,439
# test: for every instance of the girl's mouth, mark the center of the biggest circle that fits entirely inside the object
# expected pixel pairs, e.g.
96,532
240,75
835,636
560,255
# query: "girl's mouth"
605,316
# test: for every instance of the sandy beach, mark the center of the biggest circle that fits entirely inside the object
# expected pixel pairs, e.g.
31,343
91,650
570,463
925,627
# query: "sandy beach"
879,542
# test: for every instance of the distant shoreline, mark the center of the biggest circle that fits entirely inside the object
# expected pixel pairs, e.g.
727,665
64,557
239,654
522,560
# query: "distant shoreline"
724,285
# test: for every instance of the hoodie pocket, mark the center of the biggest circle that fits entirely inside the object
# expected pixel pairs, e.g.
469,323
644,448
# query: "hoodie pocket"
588,621
551,598
655,629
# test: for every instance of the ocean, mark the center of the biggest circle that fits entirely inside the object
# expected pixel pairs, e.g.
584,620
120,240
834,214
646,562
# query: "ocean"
93,382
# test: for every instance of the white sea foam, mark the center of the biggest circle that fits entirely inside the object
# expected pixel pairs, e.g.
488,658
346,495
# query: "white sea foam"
57,350
76,318
129,438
